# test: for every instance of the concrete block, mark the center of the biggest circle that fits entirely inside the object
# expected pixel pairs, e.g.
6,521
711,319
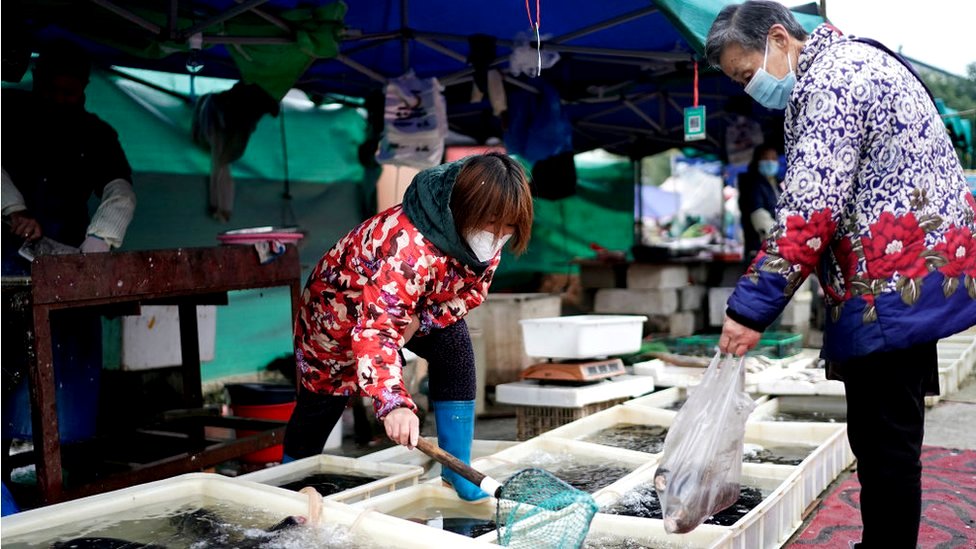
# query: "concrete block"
691,298
602,276
657,277
643,302
717,299
682,324
797,311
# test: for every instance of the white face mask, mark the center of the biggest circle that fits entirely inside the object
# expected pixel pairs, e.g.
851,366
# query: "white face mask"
485,244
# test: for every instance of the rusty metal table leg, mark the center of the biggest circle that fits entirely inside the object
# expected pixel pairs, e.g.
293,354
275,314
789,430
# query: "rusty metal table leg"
190,348
44,409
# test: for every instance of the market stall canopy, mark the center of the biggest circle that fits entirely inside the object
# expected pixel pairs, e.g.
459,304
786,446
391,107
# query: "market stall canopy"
624,73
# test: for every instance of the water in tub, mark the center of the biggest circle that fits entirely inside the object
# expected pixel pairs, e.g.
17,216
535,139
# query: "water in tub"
816,416
642,502
785,454
583,474
330,483
632,436
444,515
212,525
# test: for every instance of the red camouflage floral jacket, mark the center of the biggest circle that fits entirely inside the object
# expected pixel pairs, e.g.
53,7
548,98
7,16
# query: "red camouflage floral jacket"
358,301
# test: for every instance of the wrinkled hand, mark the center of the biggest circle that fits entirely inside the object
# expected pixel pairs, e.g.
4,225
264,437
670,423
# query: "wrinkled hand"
93,244
736,338
411,328
25,226
403,427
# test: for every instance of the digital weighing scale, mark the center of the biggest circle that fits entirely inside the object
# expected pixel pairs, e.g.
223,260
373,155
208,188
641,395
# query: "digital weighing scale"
579,371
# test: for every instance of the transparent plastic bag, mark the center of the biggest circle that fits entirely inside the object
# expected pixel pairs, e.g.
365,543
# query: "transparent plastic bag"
701,463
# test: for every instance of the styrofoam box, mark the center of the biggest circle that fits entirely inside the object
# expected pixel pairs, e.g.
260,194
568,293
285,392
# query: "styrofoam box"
432,469
45,524
533,393
409,502
769,525
507,462
582,336
393,476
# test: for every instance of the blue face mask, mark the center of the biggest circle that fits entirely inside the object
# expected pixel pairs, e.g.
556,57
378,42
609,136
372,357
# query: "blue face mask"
769,168
769,91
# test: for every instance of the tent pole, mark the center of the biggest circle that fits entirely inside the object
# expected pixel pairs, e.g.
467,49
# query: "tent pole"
620,19
361,68
441,49
174,9
404,39
643,116
639,199
271,19
126,14
220,18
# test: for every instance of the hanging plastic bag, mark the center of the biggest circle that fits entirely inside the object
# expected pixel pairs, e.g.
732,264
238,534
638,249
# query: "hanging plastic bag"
701,462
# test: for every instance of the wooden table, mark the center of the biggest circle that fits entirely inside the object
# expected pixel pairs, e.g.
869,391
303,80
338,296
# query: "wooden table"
184,277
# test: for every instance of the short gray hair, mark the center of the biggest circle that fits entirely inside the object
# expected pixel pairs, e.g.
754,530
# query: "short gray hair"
748,25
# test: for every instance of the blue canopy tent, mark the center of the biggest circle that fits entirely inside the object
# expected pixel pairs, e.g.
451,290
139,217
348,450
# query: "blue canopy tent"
624,76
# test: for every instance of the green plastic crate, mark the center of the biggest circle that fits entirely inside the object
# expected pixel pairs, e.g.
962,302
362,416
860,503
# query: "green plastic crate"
771,344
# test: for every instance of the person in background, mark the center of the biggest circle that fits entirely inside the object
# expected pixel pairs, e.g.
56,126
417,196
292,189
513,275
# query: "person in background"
407,277
758,192
55,156
875,201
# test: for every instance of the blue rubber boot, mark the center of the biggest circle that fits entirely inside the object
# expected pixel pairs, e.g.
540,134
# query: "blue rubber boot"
285,458
455,432
9,505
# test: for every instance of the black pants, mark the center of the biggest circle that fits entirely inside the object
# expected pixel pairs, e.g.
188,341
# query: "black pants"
451,366
885,421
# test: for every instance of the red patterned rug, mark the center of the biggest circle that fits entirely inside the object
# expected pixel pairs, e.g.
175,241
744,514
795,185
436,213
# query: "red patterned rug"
948,506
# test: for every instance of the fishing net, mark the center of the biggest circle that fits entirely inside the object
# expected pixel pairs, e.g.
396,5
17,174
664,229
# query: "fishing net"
536,510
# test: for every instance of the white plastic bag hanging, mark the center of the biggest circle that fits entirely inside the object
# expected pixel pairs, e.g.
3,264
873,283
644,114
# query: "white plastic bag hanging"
701,463
415,122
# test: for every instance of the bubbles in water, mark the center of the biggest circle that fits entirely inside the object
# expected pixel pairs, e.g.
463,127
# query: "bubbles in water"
588,476
632,436
642,502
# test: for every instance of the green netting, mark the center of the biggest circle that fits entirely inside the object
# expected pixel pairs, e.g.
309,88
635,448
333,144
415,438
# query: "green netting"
536,510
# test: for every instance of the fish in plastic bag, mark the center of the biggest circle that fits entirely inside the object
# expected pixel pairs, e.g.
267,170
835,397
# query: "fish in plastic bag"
701,463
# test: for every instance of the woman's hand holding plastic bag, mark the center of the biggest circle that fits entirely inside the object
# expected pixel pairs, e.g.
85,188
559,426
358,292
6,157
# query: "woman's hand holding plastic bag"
702,459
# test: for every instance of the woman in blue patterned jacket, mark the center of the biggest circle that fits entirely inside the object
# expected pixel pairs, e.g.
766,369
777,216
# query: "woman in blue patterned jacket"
874,202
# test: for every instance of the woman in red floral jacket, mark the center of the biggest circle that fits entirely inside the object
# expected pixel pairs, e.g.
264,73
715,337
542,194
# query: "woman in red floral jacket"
406,277
875,203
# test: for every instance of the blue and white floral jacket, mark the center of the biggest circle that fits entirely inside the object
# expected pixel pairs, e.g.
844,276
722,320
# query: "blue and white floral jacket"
875,202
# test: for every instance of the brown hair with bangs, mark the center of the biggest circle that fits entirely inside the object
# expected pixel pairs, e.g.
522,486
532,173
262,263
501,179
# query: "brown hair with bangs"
491,189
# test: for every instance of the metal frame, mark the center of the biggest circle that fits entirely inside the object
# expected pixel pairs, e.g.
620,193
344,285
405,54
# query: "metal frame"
185,277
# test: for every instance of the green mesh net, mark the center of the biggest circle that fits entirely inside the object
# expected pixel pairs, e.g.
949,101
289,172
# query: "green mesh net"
537,510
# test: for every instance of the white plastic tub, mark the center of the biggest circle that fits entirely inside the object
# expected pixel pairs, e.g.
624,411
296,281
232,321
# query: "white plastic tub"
530,392
767,526
390,476
828,406
618,415
667,399
432,469
91,515
544,452
431,502
583,336
608,529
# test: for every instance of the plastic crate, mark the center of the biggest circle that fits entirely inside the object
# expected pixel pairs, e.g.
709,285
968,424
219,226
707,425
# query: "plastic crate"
532,421
780,344
40,527
392,476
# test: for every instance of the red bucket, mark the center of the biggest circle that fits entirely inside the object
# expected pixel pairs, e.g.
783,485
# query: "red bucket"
264,411
262,401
